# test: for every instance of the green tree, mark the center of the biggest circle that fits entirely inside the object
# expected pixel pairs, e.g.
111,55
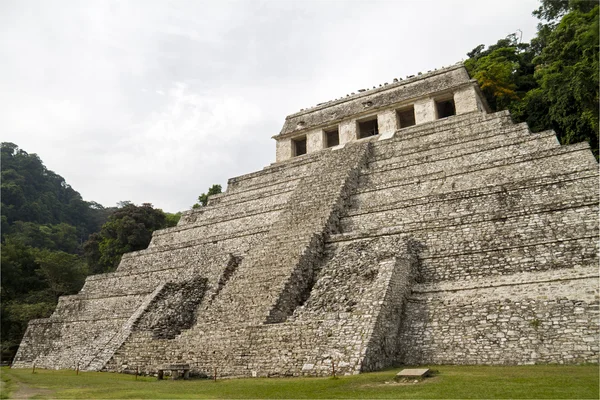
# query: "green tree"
54,237
495,73
551,83
172,219
128,229
64,273
32,279
567,72
18,270
203,198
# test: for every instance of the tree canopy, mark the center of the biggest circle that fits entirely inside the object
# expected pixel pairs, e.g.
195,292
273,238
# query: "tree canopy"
552,82
203,198
128,229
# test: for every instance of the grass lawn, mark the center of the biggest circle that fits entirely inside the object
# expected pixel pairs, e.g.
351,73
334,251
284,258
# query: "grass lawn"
451,382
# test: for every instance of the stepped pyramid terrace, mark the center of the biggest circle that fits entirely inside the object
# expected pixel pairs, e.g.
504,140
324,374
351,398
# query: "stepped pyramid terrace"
404,224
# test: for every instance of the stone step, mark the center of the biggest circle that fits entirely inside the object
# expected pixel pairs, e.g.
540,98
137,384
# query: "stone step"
274,175
81,307
504,216
230,209
56,344
360,204
396,153
235,244
457,160
277,270
184,240
481,228
276,168
438,133
491,263
456,122
541,256
497,200
242,196
148,273
566,159
487,234
229,227
454,289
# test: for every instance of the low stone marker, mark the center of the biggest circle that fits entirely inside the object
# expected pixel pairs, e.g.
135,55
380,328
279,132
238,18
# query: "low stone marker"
409,374
177,371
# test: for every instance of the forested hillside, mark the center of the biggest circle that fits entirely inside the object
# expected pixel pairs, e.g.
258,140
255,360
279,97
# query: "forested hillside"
52,239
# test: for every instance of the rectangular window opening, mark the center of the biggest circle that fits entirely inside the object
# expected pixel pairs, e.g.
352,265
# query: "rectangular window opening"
368,128
332,137
406,117
299,146
445,108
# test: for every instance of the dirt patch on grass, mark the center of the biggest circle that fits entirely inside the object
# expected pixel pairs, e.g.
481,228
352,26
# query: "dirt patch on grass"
25,392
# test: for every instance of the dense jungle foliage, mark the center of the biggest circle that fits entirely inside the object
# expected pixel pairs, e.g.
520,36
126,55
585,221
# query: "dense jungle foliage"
51,239
552,82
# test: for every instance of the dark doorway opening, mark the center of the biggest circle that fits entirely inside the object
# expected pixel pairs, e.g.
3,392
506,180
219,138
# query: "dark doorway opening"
445,108
406,117
299,146
332,137
368,128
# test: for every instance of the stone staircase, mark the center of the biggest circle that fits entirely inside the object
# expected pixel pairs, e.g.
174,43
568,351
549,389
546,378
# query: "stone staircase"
277,270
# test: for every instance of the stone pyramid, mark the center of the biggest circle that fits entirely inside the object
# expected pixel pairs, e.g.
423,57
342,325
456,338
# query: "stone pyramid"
402,224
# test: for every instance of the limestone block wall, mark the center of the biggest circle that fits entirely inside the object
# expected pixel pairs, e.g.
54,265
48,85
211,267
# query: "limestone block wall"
529,320
508,227
467,100
64,344
386,122
91,325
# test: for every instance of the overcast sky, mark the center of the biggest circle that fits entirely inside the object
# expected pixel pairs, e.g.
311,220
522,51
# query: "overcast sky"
154,101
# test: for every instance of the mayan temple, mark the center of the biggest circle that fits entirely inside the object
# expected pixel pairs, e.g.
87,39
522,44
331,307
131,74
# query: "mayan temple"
403,224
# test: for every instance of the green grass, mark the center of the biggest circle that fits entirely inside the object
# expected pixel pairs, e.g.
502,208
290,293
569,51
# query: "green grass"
6,384
451,382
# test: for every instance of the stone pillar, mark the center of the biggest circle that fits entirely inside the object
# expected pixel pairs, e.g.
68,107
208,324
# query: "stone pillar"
315,140
387,122
424,111
283,149
465,100
347,131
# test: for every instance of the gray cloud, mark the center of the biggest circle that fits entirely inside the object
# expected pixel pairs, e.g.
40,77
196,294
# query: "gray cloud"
154,101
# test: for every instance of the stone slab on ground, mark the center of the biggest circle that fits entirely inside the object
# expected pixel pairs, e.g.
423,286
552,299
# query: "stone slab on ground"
413,373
